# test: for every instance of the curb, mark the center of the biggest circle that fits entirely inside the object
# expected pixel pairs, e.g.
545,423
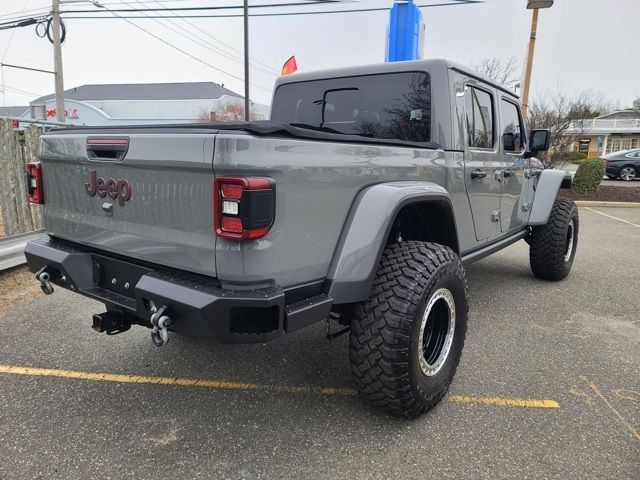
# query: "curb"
596,203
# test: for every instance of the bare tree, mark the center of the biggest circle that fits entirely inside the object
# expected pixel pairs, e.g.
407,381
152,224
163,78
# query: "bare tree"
205,116
566,117
502,71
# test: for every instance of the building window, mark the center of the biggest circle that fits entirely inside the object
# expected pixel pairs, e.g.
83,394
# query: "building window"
617,144
584,145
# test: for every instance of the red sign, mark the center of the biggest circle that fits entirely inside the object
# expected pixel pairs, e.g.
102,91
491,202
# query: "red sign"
71,114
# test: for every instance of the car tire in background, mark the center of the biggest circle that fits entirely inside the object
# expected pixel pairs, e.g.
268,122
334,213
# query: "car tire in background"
407,338
628,173
552,247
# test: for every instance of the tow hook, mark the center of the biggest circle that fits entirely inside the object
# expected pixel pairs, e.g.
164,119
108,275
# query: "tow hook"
160,321
44,278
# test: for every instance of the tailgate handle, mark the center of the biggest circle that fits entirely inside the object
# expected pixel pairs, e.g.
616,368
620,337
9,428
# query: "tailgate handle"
107,148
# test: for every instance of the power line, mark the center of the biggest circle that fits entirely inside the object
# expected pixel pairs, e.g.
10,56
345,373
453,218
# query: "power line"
255,62
199,41
6,50
20,91
31,12
282,14
220,7
183,51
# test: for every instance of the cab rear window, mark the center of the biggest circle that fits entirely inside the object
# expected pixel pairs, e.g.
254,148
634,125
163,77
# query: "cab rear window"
390,106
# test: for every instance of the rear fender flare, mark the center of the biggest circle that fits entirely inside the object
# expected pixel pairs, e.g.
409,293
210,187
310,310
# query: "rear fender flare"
367,229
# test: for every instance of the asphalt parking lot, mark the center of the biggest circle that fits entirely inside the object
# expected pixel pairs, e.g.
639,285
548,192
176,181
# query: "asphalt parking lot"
548,388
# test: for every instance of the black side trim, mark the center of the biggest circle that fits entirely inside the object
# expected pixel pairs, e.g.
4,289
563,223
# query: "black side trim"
487,250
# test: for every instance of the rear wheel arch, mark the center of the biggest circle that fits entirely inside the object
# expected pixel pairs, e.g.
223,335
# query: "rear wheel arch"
426,221
419,211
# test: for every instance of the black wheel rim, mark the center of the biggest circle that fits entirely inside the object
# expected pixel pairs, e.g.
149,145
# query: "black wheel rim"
436,332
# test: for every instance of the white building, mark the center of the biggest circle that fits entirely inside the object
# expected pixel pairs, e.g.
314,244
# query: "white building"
145,103
608,133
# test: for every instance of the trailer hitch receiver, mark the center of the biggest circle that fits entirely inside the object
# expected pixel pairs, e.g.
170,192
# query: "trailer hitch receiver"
111,322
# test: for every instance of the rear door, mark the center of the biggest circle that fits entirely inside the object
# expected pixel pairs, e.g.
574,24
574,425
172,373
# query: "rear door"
482,160
142,193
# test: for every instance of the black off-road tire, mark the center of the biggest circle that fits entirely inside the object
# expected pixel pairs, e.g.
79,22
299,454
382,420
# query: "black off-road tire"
385,348
549,254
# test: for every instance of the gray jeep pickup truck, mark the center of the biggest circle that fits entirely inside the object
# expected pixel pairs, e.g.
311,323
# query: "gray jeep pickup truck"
360,201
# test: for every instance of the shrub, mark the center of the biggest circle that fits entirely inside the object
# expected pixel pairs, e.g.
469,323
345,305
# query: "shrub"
575,157
589,175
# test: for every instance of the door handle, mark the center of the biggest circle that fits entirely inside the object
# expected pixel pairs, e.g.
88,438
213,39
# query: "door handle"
507,173
477,174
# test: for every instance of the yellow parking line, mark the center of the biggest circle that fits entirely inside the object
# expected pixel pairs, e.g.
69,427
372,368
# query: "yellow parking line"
227,385
615,218
505,402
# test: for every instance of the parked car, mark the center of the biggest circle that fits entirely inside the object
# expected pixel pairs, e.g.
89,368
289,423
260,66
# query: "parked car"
624,164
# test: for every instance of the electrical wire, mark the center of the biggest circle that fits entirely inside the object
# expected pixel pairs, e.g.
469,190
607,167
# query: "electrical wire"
169,44
26,2
282,14
203,42
20,91
219,7
32,12
255,63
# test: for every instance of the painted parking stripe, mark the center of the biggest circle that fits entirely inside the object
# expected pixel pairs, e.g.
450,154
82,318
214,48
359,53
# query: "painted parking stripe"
229,385
615,218
505,402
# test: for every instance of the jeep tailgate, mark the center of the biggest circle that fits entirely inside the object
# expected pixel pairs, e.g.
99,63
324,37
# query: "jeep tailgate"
155,204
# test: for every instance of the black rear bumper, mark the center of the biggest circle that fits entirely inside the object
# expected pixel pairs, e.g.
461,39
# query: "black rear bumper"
612,170
198,306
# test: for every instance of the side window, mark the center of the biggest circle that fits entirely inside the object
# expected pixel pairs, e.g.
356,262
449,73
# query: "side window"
512,131
479,118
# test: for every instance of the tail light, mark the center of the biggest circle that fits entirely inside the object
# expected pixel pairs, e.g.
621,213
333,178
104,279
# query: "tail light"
34,182
244,208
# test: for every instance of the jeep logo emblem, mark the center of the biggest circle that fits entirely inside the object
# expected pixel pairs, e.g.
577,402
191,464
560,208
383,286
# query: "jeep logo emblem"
116,189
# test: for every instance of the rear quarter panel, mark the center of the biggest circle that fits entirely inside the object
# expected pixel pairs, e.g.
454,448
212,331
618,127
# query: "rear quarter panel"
316,184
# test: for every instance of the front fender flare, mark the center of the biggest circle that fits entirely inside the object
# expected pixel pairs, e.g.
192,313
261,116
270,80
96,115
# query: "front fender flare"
365,233
546,192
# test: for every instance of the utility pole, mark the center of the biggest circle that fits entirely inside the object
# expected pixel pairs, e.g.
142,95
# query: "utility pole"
247,106
527,75
57,61
532,5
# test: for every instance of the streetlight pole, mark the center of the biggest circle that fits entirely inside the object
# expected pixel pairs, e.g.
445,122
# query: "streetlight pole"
57,61
247,115
535,5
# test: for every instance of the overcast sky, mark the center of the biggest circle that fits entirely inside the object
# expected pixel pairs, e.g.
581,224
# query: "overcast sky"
582,44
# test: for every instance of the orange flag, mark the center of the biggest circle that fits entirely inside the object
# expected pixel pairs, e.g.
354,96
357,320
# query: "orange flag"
290,66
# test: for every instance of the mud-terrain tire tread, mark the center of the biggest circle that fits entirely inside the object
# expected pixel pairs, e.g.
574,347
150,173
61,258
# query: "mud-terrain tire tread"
548,242
381,326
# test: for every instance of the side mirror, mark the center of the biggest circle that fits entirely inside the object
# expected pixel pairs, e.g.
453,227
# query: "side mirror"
508,142
539,141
